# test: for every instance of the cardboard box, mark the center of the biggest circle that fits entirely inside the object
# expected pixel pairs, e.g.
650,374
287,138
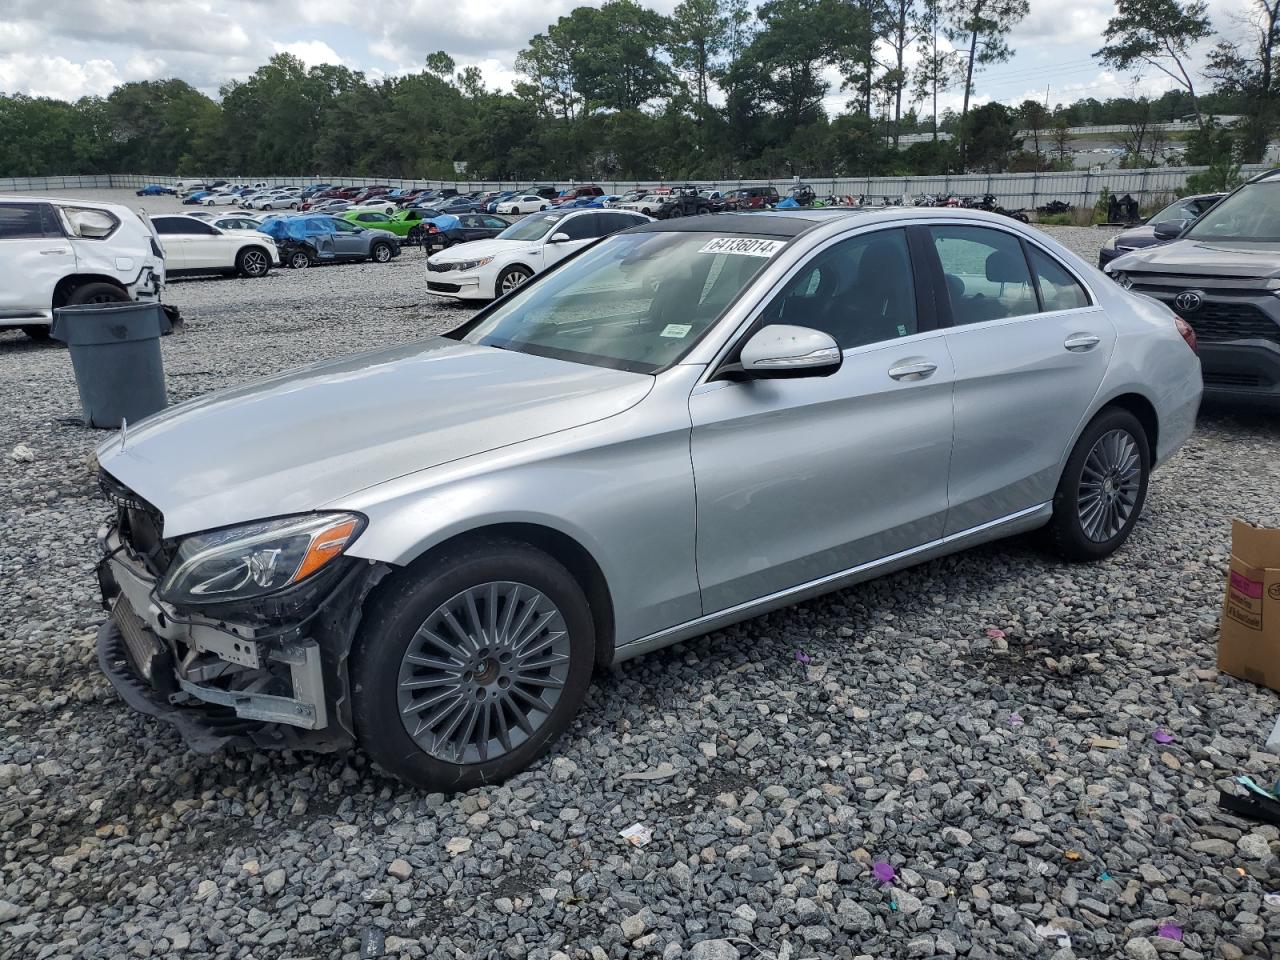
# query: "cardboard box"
1249,644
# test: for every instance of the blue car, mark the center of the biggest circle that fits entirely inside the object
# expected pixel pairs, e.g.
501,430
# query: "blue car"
155,190
598,202
196,197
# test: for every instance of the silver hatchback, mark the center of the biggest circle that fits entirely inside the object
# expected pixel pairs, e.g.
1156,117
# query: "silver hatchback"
428,550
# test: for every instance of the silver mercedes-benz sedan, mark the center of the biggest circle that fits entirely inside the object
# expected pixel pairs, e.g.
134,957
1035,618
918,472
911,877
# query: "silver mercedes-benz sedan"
427,550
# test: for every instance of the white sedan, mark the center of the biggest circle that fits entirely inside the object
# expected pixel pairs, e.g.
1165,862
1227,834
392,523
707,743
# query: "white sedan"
221,198
485,269
529,203
192,245
275,201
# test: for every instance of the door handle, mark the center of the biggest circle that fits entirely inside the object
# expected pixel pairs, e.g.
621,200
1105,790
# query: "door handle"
1080,342
912,370
49,253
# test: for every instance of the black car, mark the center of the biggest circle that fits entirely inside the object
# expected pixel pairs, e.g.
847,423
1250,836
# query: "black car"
1221,276
1173,219
471,226
682,202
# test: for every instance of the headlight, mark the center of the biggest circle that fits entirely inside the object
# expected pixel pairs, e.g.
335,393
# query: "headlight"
1110,244
256,559
472,264
1122,278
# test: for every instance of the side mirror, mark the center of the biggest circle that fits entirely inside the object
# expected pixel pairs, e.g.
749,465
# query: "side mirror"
1170,229
781,351
559,238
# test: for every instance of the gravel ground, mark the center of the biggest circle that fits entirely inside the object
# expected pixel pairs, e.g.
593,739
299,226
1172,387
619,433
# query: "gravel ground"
983,724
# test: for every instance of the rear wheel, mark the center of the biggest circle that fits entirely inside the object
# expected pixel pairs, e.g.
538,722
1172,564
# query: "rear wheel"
97,293
38,334
253,262
466,672
1103,488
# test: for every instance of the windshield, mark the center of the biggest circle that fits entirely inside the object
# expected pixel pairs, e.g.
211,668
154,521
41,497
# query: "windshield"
1179,210
530,228
1252,213
636,301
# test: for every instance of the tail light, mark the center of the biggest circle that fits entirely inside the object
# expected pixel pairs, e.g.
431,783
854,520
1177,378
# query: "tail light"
1188,334
432,228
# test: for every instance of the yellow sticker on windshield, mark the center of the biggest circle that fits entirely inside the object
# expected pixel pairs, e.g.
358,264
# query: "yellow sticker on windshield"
677,330
743,246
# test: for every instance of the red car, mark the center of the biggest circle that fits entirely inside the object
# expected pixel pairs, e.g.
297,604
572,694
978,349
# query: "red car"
577,193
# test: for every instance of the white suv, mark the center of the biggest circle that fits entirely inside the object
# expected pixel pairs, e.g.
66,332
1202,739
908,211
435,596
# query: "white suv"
57,252
192,245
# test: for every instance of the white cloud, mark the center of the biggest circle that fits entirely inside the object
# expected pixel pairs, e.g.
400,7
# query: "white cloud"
43,76
310,52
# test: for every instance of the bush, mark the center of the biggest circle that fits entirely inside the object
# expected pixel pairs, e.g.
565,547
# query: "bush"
1057,220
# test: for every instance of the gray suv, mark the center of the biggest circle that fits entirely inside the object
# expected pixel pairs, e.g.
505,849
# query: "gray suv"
1222,275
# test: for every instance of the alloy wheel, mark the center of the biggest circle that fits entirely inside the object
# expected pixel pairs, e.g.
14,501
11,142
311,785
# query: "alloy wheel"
483,672
382,253
511,280
1109,483
255,263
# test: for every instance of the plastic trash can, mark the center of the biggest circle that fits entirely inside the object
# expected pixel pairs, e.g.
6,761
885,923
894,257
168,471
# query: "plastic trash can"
115,352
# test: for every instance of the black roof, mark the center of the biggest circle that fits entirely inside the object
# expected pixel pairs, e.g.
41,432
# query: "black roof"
767,223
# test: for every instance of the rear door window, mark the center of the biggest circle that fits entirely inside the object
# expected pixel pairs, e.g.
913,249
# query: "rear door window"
1058,288
28,221
582,227
986,274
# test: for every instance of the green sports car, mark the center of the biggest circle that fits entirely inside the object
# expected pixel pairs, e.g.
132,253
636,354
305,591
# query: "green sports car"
401,223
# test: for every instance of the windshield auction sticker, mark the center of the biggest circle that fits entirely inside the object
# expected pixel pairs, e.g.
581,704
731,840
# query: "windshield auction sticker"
743,246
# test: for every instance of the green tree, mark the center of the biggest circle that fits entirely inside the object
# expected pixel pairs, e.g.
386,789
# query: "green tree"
982,26
1035,120
897,29
699,35
937,67
1157,33
1247,72
991,134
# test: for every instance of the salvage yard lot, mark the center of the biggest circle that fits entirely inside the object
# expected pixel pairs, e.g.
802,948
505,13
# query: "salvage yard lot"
982,723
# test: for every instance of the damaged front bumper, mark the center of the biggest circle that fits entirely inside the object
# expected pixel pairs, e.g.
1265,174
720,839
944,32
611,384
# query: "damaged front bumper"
272,673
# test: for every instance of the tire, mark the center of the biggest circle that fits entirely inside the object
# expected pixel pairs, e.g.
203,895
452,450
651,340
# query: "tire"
675,212
1103,488
299,260
381,252
511,278
253,262
448,755
37,333
541,208
97,293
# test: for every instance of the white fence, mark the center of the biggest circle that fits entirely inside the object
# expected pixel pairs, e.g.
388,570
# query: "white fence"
1013,190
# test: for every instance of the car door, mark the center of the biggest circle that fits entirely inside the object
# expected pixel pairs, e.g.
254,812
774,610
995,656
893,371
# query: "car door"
348,239
33,247
802,479
580,229
1030,348
172,232
207,247
320,233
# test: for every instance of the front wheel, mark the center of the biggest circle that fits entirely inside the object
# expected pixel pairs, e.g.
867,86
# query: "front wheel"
511,278
467,671
1102,489
253,262
299,260
381,252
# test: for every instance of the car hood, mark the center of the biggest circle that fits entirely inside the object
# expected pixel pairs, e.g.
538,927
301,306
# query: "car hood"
1215,258
1136,237
296,441
478,249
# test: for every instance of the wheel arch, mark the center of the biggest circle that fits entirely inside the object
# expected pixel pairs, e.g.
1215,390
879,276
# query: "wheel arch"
1144,410
577,559
63,289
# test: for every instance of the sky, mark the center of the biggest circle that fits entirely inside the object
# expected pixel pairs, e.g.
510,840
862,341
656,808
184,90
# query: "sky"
70,48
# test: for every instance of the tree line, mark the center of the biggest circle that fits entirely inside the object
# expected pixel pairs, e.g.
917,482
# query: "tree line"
718,90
